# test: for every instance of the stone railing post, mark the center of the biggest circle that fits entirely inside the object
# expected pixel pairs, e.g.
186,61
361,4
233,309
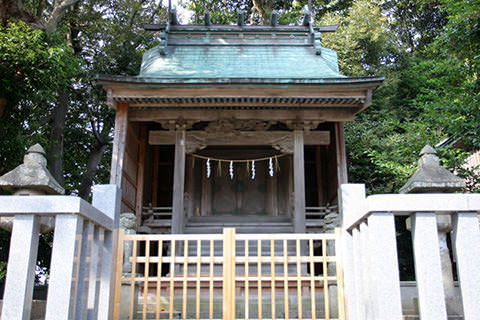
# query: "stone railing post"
372,282
466,244
17,300
383,266
107,198
352,196
428,267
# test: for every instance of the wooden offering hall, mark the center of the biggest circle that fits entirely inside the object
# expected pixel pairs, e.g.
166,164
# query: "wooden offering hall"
233,125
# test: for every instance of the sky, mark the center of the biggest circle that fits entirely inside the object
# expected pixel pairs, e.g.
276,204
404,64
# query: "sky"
183,14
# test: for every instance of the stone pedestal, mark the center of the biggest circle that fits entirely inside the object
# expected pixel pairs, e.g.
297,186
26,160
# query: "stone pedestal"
128,222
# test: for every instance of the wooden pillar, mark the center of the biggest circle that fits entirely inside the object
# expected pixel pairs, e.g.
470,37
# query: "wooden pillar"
190,186
118,152
178,182
298,182
340,153
319,166
155,176
140,174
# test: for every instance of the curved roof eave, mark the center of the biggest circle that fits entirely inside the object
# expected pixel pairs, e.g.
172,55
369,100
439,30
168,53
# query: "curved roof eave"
130,81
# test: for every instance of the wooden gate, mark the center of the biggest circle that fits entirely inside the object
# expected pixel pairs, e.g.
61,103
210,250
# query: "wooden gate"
229,276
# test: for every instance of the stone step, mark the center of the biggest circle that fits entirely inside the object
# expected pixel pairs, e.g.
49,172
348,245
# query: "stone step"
205,227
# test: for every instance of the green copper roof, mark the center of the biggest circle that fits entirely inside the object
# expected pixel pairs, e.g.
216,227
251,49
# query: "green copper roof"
239,61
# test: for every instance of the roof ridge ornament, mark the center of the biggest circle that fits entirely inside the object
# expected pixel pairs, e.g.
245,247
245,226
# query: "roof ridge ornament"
241,18
173,17
274,18
207,19
307,19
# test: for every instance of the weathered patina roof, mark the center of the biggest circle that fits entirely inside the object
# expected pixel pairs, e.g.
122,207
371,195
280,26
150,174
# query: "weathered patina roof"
239,62
195,71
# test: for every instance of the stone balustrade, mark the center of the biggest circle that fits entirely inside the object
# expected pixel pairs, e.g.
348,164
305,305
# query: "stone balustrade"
80,282
372,283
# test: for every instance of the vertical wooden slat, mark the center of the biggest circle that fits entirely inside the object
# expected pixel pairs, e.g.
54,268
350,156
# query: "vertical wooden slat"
118,149
185,275
247,313
159,277
299,281
272,271
312,280
259,278
340,153
132,278
325,279
229,274
339,269
156,152
285,279
197,306
140,173
172,275
118,284
210,307
145,280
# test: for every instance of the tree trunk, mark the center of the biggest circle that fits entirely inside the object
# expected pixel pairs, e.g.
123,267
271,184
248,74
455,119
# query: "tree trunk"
55,152
94,159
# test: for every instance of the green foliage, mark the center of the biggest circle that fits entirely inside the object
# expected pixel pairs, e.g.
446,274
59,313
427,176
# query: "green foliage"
361,40
33,67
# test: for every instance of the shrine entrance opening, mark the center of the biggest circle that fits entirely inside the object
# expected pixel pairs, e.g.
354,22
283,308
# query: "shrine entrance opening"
239,181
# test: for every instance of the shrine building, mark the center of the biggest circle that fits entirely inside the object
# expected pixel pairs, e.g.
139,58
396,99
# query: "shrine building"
234,126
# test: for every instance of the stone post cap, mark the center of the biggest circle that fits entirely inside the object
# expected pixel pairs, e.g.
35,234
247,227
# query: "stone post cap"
431,177
32,175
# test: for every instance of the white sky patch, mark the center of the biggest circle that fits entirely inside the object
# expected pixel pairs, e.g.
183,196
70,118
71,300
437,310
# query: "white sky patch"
183,15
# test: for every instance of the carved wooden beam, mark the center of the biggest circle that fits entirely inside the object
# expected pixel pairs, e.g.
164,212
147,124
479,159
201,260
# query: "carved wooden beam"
280,140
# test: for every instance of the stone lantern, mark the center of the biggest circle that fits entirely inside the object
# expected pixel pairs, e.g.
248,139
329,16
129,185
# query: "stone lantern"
31,178
430,177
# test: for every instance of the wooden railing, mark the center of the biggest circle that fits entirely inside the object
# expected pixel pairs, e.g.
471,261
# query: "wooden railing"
229,275
161,217
158,217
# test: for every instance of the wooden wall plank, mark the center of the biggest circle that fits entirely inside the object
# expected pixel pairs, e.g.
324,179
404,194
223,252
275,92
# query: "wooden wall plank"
119,144
341,153
140,173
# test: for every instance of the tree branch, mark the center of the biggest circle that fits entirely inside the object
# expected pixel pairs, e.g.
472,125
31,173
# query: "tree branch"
57,14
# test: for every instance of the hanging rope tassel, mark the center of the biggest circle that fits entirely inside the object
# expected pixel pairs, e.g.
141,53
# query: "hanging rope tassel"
247,172
270,167
277,165
209,169
253,170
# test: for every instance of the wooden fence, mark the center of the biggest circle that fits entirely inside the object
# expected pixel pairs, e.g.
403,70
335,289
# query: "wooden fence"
229,276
